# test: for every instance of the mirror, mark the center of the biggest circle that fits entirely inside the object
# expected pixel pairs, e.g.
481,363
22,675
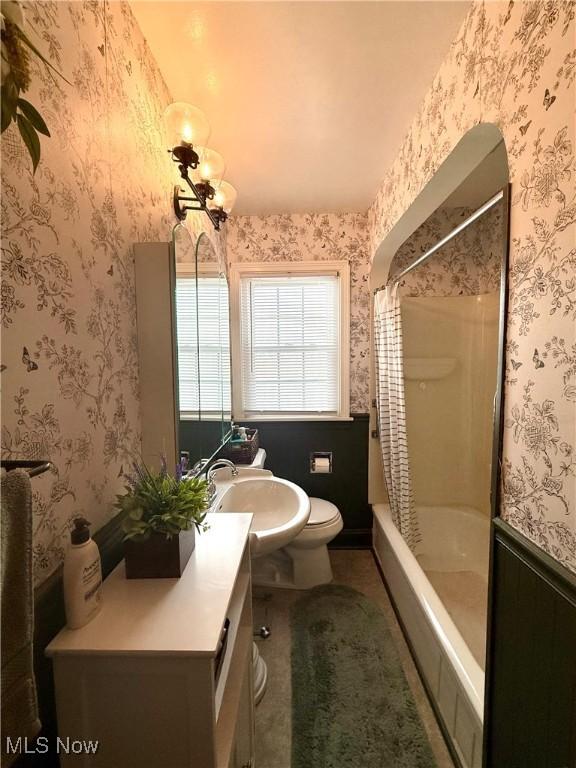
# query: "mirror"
202,345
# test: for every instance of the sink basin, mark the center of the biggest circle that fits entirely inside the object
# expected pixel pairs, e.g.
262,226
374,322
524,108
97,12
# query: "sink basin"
281,510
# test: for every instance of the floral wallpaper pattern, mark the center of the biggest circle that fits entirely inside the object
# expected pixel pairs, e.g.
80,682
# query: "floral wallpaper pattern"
69,367
468,265
514,64
306,237
69,359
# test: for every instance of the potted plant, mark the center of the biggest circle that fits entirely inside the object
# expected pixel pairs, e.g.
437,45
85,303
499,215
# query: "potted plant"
162,514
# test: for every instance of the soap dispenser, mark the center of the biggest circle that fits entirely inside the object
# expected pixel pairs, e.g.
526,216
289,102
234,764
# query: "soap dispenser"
82,576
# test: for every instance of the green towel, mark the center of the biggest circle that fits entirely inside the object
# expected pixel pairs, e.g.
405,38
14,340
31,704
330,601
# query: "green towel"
19,701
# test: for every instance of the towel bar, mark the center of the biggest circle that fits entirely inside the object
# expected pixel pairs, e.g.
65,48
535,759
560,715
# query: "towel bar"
33,467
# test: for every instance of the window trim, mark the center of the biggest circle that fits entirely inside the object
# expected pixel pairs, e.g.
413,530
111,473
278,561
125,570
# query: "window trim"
241,270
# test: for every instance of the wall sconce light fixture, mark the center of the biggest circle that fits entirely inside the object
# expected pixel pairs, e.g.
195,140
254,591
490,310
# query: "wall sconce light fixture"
201,168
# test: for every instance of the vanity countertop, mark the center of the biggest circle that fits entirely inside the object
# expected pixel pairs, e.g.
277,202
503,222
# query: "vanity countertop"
168,616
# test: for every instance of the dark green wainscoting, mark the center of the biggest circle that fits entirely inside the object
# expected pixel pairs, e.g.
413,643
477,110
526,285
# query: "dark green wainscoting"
200,438
531,674
288,445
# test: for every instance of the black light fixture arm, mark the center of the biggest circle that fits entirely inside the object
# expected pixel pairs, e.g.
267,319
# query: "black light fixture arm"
202,191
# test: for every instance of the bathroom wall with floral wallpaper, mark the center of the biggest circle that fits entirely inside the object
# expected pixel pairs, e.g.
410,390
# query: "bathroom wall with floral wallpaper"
309,237
69,362
69,367
468,265
513,64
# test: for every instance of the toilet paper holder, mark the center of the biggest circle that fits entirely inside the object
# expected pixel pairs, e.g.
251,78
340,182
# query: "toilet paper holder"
321,462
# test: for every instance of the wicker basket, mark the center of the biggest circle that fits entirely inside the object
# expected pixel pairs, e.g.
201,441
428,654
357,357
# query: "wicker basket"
244,452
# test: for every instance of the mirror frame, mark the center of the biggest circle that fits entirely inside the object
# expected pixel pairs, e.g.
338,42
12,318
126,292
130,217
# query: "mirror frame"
193,268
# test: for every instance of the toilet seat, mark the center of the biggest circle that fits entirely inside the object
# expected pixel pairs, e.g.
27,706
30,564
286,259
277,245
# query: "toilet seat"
322,513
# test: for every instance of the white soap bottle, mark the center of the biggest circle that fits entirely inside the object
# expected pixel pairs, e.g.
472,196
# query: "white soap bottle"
82,577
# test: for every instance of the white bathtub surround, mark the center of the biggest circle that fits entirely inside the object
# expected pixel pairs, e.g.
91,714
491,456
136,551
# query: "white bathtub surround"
453,541
392,411
450,368
454,554
465,597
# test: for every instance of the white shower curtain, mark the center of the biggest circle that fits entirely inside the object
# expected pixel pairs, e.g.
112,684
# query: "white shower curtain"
392,411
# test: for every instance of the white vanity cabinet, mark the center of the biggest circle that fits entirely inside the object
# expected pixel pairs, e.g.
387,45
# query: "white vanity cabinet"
150,679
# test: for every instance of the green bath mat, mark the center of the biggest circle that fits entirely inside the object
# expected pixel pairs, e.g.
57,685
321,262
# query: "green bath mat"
351,704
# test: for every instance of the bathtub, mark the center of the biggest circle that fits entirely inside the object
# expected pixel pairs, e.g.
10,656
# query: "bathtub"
454,541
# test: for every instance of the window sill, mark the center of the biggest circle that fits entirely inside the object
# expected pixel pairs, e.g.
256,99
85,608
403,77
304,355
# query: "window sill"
204,416
291,417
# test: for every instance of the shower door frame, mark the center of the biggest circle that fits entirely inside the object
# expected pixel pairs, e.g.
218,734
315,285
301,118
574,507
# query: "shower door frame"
495,494
531,609
496,480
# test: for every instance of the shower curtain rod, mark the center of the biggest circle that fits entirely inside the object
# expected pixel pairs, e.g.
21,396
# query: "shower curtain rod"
456,231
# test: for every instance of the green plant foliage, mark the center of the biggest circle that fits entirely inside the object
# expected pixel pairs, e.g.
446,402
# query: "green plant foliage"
156,502
33,116
30,138
16,51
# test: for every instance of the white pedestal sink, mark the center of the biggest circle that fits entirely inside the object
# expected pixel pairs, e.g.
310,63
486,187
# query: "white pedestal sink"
280,511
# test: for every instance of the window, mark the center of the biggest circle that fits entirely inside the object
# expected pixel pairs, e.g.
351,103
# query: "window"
291,348
203,344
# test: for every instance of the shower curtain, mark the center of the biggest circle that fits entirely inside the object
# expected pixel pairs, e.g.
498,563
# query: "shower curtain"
392,411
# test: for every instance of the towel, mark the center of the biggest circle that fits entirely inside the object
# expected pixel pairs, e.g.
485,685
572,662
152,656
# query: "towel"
19,701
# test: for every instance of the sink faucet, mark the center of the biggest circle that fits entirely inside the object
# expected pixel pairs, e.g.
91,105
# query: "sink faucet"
210,469
217,464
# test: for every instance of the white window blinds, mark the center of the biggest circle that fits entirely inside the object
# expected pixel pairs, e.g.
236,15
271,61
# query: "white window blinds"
290,344
203,327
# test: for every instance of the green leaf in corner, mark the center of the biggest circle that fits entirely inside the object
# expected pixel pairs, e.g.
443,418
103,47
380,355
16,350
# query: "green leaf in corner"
30,138
33,116
9,99
7,114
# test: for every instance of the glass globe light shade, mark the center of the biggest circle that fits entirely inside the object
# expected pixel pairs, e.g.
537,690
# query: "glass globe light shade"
211,166
225,197
185,124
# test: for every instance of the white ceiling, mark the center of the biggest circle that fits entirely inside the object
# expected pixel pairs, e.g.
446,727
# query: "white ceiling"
308,101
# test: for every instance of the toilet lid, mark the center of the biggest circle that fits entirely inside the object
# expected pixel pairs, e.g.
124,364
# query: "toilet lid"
322,511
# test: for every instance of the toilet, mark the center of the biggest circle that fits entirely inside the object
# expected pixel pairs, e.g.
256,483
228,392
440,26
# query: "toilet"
309,550
304,563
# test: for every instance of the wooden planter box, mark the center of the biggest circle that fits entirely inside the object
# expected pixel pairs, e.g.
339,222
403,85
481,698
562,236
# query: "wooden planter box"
159,557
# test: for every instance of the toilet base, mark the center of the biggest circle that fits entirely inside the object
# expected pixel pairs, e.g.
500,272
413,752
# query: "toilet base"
311,566
293,568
